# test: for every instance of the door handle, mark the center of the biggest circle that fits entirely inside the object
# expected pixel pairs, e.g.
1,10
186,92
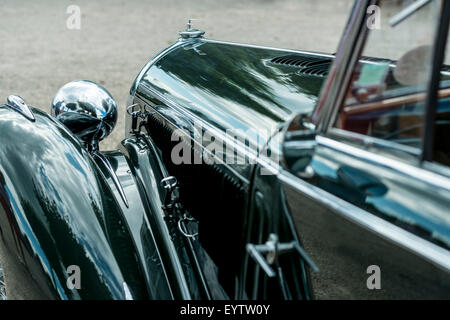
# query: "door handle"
272,249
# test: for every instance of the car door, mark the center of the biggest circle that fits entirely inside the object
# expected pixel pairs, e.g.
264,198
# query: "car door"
369,212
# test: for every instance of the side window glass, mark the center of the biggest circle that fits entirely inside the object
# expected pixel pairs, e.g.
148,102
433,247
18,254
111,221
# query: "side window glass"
386,94
442,123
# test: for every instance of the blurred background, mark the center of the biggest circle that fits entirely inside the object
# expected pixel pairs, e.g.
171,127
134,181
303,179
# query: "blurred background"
117,37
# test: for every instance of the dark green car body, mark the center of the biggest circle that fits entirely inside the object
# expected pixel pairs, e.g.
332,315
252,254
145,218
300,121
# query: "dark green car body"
361,207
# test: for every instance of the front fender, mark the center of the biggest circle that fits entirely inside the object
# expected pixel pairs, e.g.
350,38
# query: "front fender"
57,210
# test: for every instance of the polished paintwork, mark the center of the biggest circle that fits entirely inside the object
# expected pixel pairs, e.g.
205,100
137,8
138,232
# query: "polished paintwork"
58,210
241,101
232,86
343,251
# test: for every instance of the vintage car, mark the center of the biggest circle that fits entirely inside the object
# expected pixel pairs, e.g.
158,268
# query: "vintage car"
245,172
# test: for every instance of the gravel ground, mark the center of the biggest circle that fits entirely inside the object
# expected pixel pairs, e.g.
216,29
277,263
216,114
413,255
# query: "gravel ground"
117,37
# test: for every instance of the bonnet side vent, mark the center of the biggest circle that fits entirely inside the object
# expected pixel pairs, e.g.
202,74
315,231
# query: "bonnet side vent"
309,65
319,70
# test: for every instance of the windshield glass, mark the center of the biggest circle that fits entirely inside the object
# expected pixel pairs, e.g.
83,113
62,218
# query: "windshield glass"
386,94
396,58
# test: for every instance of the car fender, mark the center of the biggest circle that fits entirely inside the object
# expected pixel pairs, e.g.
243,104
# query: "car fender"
57,210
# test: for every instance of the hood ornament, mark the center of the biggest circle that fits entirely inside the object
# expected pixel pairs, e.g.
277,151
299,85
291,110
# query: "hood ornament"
18,104
190,33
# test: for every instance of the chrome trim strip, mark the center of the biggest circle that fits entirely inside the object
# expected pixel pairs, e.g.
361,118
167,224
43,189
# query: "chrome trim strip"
405,168
433,253
114,177
372,141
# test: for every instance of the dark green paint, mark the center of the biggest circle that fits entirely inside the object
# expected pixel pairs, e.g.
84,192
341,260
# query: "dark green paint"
232,86
58,210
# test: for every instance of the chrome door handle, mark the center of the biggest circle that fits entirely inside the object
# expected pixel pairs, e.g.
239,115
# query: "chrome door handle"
272,249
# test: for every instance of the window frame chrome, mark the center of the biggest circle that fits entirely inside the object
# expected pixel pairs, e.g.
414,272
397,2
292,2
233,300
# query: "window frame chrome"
349,51
402,152
327,117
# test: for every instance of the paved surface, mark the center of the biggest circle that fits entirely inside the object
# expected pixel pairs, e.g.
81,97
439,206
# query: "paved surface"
117,37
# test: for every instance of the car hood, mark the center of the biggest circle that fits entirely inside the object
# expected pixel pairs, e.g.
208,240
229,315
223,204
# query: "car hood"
232,86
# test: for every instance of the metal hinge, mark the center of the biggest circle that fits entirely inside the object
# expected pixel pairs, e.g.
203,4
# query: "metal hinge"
135,114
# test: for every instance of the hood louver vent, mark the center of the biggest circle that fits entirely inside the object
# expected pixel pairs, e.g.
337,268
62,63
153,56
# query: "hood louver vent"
445,68
309,65
374,59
